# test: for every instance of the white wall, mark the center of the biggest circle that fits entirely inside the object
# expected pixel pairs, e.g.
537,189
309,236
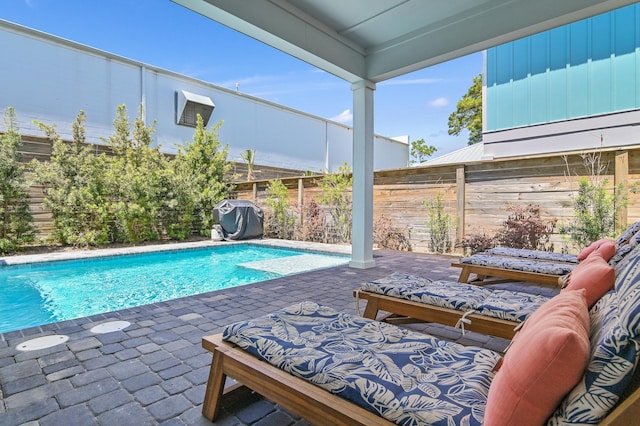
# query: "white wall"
51,79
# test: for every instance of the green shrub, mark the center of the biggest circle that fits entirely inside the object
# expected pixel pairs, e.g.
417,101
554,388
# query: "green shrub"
279,218
336,195
594,205
201,177
75,188
439,225
16,227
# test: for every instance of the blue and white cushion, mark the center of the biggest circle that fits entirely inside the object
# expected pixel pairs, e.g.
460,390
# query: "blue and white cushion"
406,377
533,254
496,303
519,264
620,254
615,350
628,233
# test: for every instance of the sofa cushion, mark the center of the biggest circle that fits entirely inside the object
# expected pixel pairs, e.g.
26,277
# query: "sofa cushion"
609,371
628,233
404,376
585,252
621,253
606,250
594,275
519,264
445,294
533,254
546,359
497,303
615,348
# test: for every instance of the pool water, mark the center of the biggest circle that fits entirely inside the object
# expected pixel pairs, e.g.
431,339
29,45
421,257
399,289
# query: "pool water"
46,292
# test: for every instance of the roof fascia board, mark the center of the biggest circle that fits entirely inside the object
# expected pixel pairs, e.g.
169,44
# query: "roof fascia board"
279,25
518,19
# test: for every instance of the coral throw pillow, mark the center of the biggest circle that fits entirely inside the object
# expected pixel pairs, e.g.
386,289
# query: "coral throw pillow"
593,274
608,243
546,359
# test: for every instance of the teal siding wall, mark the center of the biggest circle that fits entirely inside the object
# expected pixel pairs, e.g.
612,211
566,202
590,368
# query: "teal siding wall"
590,67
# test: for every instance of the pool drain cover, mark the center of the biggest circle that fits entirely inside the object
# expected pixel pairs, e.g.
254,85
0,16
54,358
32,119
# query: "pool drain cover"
42,342
109,327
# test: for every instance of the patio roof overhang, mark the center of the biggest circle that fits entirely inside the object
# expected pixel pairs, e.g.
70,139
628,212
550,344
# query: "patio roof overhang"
369,41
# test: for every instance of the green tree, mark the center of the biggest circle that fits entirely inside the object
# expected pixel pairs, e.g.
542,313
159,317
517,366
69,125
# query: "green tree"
16,227
468,113
137,179
420,151
336,195
594,204
439,224
280,219
250,157
202,170
74,187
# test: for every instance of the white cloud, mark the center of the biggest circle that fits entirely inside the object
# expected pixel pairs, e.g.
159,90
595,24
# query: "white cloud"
344,117
439,103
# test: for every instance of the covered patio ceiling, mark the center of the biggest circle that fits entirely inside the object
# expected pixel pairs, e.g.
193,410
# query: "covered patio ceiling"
368,41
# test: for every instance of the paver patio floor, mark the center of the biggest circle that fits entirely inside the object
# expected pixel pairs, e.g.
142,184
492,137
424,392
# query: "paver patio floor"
155,371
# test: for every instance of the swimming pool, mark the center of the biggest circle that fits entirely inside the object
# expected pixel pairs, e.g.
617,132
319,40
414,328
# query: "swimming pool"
41,293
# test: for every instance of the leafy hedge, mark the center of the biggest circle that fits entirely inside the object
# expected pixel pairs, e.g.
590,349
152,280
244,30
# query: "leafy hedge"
135,193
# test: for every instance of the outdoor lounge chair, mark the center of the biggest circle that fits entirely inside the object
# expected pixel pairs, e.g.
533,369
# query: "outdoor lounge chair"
504,264
408,298
491,269
334,368
487,310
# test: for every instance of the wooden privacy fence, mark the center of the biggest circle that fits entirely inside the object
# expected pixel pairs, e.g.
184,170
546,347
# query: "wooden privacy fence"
475,195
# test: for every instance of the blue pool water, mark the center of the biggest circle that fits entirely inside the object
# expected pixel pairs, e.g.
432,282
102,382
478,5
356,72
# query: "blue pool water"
46,292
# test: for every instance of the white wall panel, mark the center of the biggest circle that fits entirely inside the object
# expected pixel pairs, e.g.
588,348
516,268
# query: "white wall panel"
51,80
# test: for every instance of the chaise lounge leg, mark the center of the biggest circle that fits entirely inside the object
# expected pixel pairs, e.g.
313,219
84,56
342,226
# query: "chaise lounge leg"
371,311
215,386
464,275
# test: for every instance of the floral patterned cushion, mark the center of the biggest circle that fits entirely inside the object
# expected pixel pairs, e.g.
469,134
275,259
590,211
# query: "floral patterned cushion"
406,377
623,256
615,349
510,305
628,233
519,264
503,304
533,254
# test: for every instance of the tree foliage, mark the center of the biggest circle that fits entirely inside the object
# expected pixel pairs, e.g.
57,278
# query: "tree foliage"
439,224
202,168
336,195
75,188
137,179
137,193
420,151
249,156
468,113
280,219
15,218
594,205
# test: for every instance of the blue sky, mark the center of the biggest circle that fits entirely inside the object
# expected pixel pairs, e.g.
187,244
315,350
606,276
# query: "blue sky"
166,35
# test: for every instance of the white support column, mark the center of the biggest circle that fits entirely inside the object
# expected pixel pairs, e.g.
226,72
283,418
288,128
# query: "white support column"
362,227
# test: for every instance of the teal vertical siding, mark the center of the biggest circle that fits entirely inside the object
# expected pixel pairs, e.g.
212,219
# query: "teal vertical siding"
586,68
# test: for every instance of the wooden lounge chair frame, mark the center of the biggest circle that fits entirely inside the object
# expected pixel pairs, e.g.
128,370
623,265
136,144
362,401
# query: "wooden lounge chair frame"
485,274
311,402
408,311
314,403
